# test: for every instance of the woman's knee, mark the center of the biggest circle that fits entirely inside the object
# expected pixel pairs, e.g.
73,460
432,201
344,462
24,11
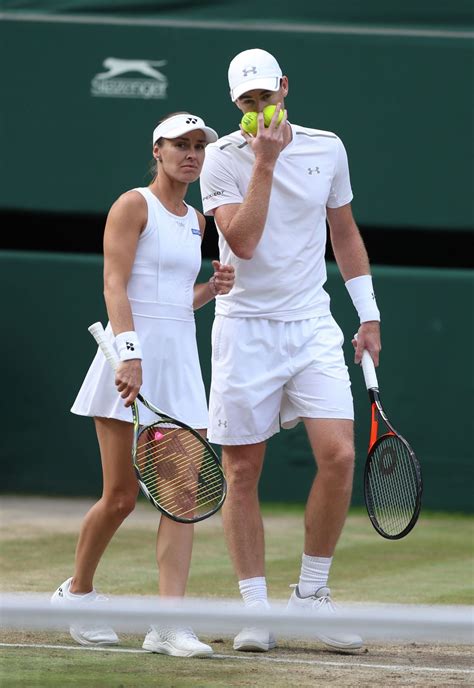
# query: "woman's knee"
120,504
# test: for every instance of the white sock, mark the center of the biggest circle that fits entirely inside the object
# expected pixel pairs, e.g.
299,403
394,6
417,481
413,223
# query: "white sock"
314,574
253,590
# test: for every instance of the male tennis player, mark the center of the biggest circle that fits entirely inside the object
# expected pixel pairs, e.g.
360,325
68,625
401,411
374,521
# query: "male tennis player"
277,352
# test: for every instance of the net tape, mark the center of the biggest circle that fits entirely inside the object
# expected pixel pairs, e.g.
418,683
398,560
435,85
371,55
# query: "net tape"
422,623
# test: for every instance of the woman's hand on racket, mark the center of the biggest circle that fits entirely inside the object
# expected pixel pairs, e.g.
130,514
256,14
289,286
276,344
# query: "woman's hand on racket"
368,338
224,277
128,379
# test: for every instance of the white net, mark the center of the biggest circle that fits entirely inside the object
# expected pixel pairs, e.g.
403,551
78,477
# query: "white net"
440,624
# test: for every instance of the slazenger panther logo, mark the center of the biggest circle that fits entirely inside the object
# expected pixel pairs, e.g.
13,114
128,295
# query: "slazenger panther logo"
150,82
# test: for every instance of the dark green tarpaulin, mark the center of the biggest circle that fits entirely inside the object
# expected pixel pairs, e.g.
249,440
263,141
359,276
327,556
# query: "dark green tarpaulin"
419,12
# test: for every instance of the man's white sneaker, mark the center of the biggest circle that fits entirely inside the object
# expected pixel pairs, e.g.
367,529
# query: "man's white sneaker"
177,642
255,639
89,634
320,604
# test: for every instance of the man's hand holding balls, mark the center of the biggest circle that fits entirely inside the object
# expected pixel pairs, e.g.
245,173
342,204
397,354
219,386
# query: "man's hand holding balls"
249,121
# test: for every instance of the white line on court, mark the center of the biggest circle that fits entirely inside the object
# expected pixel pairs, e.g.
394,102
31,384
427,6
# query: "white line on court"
275,660
230,25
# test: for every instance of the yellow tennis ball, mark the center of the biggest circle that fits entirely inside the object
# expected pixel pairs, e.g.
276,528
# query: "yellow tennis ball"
249,123
268,114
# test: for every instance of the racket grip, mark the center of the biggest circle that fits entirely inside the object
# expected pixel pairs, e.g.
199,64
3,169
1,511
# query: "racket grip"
98,332
368,368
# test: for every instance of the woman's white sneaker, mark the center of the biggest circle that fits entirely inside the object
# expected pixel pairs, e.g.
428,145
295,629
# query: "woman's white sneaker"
84,634
177,642
321,605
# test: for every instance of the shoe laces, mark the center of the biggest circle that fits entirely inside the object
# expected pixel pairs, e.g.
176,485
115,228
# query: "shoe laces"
170,632
187,632
323,602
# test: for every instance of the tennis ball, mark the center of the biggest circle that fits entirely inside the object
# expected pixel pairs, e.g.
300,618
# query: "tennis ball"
268,114
249,123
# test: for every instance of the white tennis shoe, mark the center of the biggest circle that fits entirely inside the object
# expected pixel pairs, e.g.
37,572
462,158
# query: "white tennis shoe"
321,605
89,634
177,642
255,639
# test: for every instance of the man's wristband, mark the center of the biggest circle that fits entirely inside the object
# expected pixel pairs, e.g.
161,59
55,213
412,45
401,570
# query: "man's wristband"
128,346
362,294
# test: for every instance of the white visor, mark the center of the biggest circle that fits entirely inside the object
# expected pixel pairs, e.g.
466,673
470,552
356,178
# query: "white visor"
176,126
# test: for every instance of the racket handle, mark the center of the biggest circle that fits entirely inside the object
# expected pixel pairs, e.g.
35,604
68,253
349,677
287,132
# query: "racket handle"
98,332
368,368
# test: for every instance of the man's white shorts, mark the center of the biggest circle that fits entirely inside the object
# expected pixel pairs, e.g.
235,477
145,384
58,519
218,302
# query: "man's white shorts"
266,371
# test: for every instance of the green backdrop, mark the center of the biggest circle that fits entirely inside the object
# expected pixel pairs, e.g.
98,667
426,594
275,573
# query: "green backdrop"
399,96
426,378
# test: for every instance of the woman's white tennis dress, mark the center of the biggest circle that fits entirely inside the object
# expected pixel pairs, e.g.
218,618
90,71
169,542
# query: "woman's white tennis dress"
160,291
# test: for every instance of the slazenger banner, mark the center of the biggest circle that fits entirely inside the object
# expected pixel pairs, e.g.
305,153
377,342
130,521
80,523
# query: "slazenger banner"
135,78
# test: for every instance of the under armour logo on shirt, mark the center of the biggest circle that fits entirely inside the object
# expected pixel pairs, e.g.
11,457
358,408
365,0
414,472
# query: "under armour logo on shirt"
313,170
191,120
130,346
222,422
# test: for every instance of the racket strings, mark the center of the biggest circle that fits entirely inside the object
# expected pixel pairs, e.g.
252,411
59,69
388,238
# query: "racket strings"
179,471
206,478
392,485
211,491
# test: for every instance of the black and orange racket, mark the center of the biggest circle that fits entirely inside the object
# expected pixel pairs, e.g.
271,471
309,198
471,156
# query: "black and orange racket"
177,469
393,483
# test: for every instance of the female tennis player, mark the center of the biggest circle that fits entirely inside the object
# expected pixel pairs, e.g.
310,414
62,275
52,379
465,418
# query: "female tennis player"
152,256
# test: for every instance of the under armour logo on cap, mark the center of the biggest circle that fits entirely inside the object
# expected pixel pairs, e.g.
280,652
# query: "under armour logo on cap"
249,70
191,120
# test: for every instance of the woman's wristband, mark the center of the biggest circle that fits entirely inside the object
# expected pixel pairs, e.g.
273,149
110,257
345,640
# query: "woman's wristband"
128,346
362,294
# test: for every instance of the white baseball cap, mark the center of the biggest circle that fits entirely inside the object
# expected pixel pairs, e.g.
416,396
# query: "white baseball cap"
177,125
253,69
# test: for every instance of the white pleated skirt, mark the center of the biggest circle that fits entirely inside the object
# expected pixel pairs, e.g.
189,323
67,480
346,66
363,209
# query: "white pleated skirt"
172,378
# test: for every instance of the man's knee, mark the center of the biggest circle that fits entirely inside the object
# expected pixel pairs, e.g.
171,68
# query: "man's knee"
242,466
339,460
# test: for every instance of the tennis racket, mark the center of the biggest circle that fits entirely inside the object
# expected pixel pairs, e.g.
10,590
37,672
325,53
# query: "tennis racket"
177,469
392,478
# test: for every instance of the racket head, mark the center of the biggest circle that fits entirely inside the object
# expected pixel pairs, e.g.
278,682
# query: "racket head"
393,486
178,470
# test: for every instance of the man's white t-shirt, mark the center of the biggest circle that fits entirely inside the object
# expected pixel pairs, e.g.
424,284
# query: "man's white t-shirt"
284,278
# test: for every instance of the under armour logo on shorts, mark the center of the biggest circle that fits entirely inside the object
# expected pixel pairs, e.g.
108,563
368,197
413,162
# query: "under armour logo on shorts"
222,422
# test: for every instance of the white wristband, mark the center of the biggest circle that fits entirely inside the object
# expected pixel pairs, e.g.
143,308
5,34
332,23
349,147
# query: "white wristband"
361,292
128,346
